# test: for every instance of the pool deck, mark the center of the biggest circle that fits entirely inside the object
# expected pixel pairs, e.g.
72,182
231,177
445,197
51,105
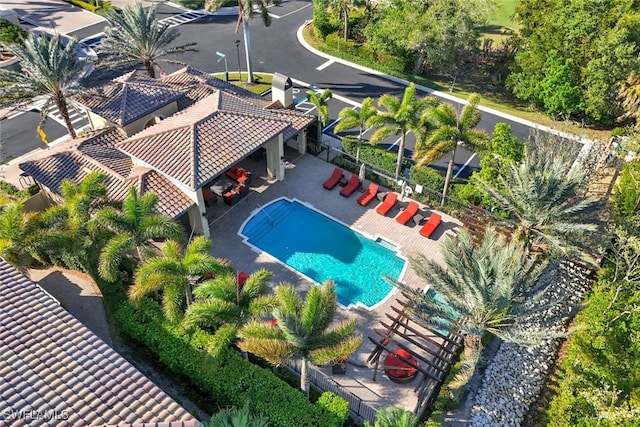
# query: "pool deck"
303,181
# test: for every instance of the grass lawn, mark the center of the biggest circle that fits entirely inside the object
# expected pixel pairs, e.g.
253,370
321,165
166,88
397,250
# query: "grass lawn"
501,25
261,82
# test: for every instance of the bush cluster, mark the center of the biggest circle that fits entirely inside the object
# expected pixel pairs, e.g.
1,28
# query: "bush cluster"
228,378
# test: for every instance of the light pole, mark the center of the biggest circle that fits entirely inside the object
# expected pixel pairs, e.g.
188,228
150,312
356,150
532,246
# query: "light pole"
222,56
237,42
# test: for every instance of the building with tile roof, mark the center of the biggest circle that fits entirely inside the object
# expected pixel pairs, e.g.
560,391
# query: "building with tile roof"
173,136
57,372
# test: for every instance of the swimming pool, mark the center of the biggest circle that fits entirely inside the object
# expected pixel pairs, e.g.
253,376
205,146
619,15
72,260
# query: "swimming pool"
322,248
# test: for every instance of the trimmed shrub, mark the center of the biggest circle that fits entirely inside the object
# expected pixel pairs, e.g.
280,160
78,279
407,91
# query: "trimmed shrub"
627,193
84,5
322,25
373,155
427,177
11,33
228,378
335,405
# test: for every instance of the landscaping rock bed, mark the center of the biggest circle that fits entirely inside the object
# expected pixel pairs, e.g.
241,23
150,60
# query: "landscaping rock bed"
515,376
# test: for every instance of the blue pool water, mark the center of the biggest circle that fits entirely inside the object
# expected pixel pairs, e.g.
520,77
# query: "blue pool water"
321,249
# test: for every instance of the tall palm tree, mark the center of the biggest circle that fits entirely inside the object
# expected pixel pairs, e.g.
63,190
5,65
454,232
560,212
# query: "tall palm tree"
344,6
173,272
134,36
484,289
543,196
131,229
393,416
222,301
236,417
47,68
320,102
451,129
401,116
350,118
245,14
303,331
17,229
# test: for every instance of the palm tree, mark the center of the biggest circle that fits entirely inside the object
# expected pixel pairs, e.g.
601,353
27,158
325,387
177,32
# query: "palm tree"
173,273
345,8
236,417
393,416
17,229
303,331
451,129
350,118
131,228
222,301
401,116
542,195
245,14
47,68
320,102
134,36
484,289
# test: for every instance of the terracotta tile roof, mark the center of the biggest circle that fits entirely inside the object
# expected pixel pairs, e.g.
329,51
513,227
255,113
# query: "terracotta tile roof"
52,363
76,164
129,97
202,141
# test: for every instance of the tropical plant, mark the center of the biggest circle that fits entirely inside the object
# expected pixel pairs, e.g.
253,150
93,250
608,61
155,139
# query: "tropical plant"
344,7
245,14
629,98
131,228
134,36
173,272
351,118
50,69
393,416
484,288
400,117
303,331
543,197
222,301
320,102
236,417
16,230
451,129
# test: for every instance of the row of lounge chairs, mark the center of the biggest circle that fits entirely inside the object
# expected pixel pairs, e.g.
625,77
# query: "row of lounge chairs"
388,201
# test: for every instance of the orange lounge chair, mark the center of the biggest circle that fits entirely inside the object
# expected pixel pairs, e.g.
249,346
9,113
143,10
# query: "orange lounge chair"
389,201
352,185
334,179
430,226
408,213
368,195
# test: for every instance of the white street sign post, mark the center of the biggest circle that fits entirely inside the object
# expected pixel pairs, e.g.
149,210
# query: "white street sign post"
222,56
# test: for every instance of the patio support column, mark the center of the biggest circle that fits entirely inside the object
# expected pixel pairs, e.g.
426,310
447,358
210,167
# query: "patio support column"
275,158
302,141
198,216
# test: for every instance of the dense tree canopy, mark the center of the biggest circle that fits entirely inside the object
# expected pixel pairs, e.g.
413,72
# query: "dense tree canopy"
573,55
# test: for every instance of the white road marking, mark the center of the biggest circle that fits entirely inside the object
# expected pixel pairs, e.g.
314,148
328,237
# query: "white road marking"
464,166
325,65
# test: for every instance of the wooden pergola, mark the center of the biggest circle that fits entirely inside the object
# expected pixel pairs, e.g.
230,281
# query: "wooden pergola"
476,219
433,352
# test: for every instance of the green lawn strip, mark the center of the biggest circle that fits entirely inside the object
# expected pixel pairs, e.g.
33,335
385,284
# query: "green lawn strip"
261,81
501,26
462,91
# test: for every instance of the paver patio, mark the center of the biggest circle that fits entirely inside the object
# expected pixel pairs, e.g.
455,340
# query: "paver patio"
303,181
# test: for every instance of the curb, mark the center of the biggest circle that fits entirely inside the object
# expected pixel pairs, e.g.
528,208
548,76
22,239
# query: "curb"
587,143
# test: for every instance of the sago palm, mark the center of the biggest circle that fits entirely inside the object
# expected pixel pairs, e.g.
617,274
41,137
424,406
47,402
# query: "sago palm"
401,116
351,118
543,196
17,229
393,416
319,100
47,68
246,10
303,332
131,229
173,273
134,36
484,289
450,130
221,304
236,417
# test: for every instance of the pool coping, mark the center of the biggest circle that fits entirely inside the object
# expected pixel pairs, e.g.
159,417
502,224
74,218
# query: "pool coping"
366,235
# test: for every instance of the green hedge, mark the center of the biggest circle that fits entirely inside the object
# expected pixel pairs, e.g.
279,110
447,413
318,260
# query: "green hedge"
84,5
373,155
228,378
335,405
627,192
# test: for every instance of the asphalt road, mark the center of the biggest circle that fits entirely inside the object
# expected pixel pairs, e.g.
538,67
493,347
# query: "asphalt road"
18,134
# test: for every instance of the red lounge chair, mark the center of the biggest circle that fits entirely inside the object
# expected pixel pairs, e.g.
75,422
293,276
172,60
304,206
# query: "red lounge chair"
389,201
334,179
368,195
408,213
354,183
430,226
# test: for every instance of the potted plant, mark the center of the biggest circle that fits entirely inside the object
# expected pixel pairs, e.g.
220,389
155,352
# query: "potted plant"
339,367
